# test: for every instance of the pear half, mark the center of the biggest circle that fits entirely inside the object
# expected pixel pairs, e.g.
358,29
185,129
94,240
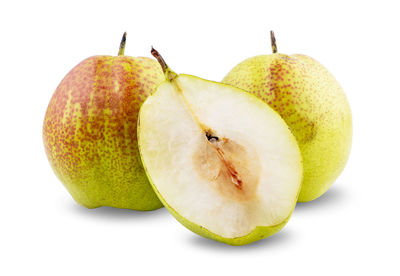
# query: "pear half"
222,161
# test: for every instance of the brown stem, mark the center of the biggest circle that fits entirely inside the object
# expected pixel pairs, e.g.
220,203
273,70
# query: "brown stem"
160,59
273,43
122,45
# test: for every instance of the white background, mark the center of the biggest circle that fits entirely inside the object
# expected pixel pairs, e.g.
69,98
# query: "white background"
352,230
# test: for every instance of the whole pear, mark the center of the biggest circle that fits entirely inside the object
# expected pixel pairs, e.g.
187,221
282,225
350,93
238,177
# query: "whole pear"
311,102
90,134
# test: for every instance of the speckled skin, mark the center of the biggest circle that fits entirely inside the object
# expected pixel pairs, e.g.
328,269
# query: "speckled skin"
312,103
90,134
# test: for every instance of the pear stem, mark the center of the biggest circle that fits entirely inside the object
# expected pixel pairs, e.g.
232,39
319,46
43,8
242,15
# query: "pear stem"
122,45
160,59
169,74
273,43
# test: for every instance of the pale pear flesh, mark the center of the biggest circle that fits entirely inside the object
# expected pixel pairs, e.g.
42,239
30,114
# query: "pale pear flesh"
223,162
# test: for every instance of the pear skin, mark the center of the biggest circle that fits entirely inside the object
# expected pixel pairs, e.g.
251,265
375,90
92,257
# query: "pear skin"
89,131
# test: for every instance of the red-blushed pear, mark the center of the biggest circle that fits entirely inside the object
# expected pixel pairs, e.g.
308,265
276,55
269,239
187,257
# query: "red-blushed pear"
90,134
311,102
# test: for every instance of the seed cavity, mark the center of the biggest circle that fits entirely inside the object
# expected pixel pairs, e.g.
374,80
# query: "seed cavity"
230,168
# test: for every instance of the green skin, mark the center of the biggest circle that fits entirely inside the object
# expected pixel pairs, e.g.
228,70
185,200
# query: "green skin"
89,131
258,233
314,106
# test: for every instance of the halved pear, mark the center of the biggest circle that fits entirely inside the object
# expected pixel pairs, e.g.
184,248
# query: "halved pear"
222,161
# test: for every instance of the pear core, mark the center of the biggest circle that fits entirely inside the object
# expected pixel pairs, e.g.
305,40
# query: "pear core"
228,167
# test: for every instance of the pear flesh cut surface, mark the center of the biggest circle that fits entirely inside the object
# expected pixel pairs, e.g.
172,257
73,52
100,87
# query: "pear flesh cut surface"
219,158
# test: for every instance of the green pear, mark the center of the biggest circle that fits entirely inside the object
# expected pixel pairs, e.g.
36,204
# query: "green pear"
222,161
311,102
90,134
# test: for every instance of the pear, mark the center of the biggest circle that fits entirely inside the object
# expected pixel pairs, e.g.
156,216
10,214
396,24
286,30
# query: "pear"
222,162
311,102
90,134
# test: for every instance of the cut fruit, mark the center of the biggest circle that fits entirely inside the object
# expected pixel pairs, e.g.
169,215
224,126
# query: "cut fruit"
222,161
